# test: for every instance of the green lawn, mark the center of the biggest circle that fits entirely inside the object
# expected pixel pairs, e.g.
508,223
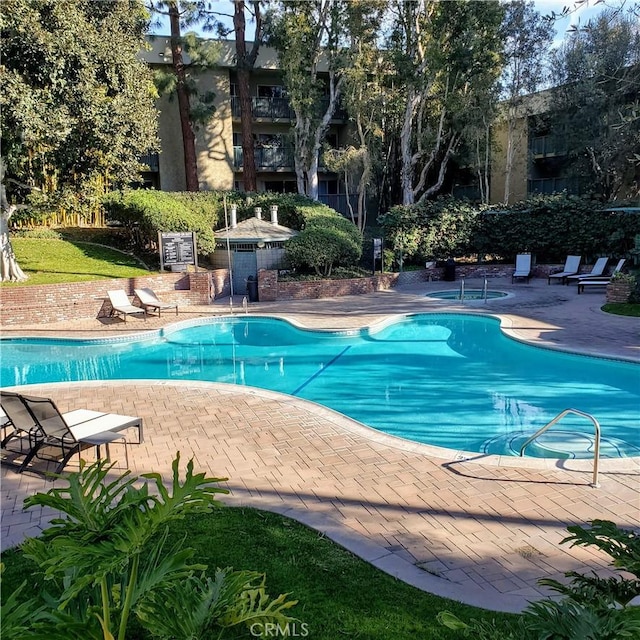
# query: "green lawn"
623,308
339,595
56,261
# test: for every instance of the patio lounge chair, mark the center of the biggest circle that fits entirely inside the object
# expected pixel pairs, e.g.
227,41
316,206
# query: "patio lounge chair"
602,281
72,432
17,424
523,267
149,300
120,304
571,268
596,271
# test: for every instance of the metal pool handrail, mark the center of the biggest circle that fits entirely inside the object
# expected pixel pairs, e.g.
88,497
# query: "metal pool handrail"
462,290
562,414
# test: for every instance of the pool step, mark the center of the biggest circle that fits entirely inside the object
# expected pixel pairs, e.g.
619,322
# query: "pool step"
560,443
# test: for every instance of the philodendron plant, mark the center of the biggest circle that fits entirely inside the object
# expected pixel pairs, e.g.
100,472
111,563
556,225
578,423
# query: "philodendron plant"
108,561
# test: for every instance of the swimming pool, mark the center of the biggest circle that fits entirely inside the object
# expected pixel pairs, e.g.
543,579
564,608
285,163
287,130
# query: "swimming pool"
450,380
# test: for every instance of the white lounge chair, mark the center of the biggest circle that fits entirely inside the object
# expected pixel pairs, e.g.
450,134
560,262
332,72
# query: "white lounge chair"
596,271
523,267
149,300
120,304
571,268
602,281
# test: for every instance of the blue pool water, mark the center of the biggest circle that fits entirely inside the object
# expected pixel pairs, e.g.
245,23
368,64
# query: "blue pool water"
450,380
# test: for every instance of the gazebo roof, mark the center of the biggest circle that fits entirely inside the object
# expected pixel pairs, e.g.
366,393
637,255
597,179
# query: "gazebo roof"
256,230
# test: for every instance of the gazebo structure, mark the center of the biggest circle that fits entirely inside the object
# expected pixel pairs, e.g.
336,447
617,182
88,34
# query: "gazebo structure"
248,246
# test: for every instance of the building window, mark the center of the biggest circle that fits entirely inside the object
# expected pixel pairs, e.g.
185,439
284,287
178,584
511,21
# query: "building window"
271,91
281,186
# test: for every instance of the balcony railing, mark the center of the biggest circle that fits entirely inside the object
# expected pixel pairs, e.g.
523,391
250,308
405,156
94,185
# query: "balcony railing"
152,160
338,202
267,158
277,109
542,146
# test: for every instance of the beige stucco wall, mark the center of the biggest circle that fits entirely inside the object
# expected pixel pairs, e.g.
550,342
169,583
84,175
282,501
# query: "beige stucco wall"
214,141
519,171
172,175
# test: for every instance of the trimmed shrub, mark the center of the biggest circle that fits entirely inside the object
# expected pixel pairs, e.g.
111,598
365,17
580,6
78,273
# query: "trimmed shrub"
145,213
326,240
319,248
552,227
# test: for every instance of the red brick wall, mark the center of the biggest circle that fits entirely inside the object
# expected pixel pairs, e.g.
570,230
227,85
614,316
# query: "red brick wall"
72,301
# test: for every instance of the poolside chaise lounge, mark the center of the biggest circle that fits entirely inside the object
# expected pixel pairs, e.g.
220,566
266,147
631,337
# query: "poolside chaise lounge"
66,433
596,271
149,300
523,267
571,268
602,281
121,305
17,422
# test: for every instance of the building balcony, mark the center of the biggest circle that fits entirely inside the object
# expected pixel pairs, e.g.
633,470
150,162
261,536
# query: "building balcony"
151,161
276,109
270,158
267,158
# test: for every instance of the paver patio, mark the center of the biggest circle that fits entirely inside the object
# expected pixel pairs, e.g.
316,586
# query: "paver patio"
481,529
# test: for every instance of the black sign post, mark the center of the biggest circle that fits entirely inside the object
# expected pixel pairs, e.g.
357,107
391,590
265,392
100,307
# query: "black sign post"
377,253
177,248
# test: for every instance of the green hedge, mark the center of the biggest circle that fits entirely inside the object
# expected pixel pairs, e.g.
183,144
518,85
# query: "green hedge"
147,212
549,226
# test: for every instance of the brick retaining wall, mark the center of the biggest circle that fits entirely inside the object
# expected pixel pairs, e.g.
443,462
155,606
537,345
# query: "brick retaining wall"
270,289
72,301
41,304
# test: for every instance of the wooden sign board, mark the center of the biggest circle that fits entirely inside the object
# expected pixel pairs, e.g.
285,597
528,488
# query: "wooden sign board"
177,247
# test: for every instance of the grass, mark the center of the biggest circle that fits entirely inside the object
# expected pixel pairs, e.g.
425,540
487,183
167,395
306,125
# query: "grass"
339,595
623,308
58,261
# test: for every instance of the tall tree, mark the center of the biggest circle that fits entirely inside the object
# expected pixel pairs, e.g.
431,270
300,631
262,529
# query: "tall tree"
527,37
76,108
363,98
446,55
309,37
194,107
596,73
245,62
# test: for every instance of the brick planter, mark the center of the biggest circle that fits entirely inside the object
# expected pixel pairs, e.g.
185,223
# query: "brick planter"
619,291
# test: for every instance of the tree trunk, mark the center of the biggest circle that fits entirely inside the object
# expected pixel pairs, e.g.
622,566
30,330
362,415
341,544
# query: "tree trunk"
9,268
243,66
184,108
406,168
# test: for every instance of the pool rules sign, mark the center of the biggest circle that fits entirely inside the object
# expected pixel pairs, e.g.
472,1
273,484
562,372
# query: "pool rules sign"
177,247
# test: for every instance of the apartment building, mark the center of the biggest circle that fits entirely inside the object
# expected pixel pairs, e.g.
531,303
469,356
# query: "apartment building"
541,163
218,143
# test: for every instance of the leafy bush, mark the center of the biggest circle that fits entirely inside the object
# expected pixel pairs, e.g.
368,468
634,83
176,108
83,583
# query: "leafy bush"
145,213
108,562
552,227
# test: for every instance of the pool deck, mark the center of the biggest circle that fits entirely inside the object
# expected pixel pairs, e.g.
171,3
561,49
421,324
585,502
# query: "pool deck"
479,529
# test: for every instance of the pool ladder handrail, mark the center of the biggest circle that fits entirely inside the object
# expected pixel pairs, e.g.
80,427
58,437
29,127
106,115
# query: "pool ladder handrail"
562,414
461,296
485,291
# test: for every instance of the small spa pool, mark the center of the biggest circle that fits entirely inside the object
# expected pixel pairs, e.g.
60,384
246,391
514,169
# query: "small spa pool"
450,380
469,294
